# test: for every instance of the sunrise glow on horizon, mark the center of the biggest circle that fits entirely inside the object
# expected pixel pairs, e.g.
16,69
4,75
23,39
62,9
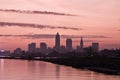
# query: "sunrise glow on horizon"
94,20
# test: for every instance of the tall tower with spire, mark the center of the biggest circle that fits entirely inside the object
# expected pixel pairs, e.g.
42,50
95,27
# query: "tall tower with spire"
81,43
57,41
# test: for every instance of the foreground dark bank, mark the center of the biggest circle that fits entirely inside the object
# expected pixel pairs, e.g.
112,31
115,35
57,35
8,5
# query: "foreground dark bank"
104,65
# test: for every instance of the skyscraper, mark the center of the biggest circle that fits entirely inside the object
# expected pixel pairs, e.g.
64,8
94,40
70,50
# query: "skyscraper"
69,44
57,41
95,47
31,47
43,47
81,43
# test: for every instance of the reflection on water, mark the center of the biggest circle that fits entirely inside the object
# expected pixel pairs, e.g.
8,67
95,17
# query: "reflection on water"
38,70
2,66
57,71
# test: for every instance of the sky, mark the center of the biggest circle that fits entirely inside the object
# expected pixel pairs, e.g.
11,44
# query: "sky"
26,21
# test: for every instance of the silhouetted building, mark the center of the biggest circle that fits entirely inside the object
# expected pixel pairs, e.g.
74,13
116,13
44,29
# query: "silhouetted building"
77,48
18,51
69,44
57,42
62,49
49,50
32,47
80,49
81,43
95,47
43,47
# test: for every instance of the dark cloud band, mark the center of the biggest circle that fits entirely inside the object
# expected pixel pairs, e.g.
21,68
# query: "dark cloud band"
40,26
36,12
38,36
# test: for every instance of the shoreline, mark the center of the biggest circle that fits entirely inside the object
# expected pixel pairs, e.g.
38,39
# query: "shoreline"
60,61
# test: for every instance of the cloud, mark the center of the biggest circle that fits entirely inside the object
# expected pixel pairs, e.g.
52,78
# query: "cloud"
48,36
85,36
89,40
36,12
40,26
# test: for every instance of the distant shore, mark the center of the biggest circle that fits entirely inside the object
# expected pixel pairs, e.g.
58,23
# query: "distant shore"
108,66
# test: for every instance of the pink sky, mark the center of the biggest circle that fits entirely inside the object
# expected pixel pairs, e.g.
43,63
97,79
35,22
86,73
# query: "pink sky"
95,17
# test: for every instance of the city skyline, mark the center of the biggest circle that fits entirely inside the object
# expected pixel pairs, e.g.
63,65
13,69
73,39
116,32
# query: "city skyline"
23,22
58,43
68,47
45,49
59,39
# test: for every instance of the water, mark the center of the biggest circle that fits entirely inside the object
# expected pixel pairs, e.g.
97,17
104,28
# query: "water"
38,70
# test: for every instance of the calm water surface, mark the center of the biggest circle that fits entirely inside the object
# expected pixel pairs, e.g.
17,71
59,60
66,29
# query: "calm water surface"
38,70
